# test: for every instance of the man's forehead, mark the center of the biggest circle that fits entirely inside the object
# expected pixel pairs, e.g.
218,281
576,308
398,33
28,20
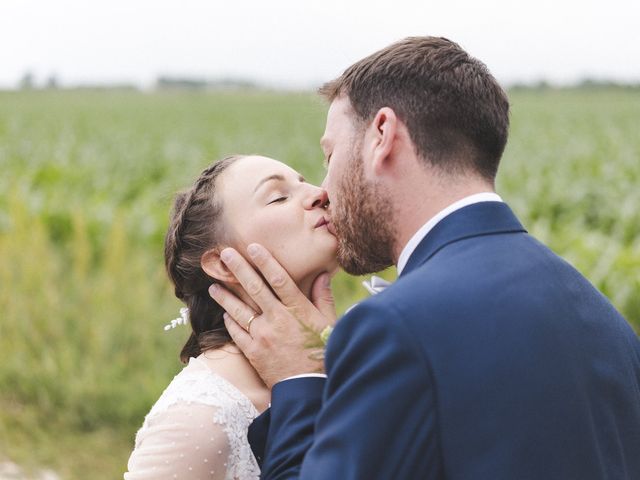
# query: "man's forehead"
340,106
340,112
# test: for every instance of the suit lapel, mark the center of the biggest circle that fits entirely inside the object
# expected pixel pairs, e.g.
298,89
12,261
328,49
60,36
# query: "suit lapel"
484,218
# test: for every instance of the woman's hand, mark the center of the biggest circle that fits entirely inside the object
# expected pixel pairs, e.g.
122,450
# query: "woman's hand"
276,341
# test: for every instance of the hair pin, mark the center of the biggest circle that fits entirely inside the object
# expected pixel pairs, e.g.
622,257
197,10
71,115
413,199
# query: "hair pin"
183,319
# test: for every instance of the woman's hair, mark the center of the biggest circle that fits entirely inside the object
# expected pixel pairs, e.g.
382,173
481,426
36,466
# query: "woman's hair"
196,227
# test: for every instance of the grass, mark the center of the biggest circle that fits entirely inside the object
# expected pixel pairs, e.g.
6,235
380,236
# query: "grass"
86,185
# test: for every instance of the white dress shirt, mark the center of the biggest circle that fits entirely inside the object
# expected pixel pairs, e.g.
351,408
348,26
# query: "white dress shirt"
422,232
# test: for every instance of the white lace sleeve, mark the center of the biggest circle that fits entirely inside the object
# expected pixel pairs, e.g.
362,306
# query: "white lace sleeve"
196,430
180,443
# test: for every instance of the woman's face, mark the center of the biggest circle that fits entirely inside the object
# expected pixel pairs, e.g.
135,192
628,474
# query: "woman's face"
267,202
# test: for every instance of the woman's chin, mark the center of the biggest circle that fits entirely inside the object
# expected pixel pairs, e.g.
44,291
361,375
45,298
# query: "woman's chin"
329,262
333,267
307,278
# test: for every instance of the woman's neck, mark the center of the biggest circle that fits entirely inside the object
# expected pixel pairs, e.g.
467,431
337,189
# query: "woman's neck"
229,362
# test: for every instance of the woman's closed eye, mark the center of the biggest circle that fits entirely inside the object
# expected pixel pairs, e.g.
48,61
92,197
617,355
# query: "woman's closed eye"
276,200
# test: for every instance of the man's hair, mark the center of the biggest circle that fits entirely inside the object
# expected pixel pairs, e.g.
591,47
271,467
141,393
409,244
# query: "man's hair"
455,111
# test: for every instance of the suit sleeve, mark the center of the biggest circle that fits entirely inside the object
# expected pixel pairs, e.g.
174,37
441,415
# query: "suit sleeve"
378,415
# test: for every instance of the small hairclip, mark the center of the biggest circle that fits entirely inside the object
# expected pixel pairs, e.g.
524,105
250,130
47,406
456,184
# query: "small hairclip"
183,319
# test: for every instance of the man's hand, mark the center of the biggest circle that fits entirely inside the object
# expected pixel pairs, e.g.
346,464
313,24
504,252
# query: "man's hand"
276,340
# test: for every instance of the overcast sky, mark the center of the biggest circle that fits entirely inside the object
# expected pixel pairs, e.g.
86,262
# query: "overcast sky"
302,43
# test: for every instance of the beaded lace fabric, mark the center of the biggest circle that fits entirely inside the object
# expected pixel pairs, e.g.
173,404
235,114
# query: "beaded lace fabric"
196,430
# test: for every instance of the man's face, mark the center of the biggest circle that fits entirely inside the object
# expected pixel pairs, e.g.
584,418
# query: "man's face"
361,215
337,143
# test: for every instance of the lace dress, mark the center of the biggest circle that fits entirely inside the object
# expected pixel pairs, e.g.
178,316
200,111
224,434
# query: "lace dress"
196,430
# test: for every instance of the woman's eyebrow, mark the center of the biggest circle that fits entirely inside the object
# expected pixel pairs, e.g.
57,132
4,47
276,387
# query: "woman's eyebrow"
268,179
275,176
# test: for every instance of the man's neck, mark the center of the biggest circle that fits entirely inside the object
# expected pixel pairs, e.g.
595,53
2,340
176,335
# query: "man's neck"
414,214
430,224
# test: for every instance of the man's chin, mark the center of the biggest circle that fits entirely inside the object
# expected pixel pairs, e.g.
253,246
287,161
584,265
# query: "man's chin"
352,267
355,264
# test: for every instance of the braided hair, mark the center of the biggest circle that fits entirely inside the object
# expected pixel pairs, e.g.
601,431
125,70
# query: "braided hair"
194,228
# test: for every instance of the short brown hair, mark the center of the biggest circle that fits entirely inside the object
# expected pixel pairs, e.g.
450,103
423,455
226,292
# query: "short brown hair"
455,111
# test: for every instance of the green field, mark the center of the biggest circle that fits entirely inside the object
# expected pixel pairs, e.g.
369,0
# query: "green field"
86,183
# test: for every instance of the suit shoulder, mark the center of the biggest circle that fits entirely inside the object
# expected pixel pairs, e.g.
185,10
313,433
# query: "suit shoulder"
373,322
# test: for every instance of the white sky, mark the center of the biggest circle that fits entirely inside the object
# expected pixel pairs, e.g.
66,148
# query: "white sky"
302,43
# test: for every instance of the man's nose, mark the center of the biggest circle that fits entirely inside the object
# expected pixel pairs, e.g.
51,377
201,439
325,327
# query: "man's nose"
324,182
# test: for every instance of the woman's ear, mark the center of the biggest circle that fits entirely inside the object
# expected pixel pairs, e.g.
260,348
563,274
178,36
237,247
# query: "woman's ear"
214,267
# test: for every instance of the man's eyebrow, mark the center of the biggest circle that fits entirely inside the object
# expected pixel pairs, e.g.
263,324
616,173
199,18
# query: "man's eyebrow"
275,176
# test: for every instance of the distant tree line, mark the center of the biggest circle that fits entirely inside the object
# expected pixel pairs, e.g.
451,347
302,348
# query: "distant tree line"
187,83
165,82
28,82
586,83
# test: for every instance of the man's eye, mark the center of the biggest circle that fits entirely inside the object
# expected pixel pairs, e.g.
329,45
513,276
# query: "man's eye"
279,199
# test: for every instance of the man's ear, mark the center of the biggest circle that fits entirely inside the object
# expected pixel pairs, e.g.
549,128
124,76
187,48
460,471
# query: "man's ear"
214,267
383,134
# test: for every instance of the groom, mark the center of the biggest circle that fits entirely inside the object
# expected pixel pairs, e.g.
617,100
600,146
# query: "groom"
489,358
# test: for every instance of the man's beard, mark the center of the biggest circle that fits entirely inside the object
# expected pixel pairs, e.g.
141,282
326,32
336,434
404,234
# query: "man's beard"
362,222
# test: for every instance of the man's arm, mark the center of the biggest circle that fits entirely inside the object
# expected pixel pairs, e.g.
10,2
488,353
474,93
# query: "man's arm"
276,341
292,425
378,417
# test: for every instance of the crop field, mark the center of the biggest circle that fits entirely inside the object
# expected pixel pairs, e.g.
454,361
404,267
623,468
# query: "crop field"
86,184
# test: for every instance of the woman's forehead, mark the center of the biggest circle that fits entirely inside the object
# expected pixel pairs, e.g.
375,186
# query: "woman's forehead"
246,173
253,166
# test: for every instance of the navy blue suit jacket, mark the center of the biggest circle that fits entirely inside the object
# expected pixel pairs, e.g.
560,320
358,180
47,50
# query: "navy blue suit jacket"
489,358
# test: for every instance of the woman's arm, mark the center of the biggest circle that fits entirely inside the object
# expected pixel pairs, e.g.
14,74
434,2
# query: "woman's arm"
181,442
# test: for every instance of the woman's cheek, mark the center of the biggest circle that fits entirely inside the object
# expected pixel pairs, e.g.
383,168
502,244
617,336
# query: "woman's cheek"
273,236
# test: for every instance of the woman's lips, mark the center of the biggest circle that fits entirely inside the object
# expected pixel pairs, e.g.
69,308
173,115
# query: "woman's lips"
321,222
324,222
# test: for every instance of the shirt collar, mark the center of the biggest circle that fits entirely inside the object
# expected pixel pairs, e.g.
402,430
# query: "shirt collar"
433,221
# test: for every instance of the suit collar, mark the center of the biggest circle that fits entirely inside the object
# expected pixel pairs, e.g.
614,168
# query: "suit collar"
417,237
474,220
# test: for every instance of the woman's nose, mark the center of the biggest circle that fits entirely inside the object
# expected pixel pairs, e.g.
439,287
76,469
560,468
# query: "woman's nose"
317,198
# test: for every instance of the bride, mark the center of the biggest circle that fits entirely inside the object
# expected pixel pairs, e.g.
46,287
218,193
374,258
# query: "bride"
198,427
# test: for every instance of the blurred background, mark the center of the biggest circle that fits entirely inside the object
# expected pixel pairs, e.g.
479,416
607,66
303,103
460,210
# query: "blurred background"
108,108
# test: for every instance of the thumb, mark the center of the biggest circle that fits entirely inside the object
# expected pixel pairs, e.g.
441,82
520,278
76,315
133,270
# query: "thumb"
322,297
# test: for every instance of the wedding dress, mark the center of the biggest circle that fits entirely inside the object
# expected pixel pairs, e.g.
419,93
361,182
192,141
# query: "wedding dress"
196,430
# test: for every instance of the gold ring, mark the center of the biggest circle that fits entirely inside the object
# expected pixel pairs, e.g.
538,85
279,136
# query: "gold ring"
248,329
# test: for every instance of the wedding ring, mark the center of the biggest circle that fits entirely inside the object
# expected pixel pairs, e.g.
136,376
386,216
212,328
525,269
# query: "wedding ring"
248,328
